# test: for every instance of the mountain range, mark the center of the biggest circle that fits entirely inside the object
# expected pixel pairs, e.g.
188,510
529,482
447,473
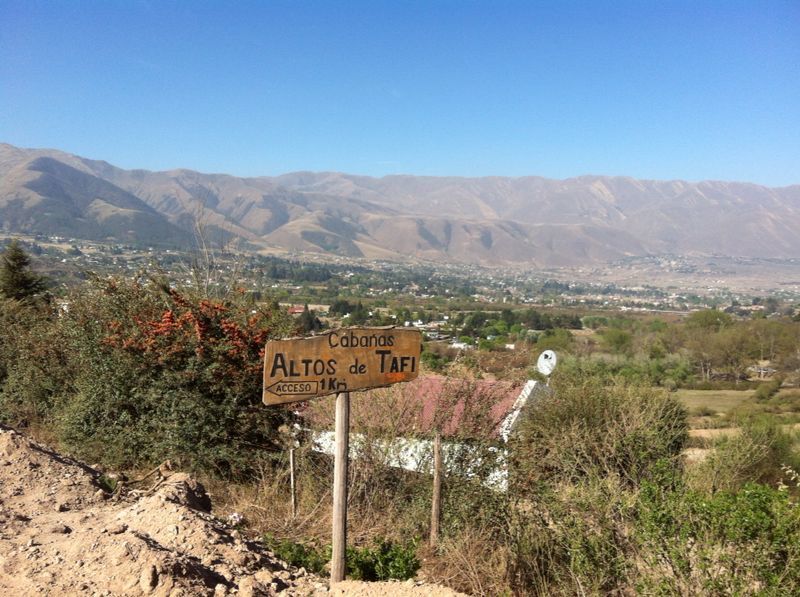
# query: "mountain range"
529,220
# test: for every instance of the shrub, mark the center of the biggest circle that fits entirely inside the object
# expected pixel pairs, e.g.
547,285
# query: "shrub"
433,360
768,389
756,454
574,541
703,411
669,373
33,365
721,385
558,339
475,561
591,427
618,341
303,556
383,561
732,543
163,375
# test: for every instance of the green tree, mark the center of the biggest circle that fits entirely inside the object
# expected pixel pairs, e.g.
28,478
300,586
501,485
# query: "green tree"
730,349
17,281
618,341
308,321
557,339
359,315
708,320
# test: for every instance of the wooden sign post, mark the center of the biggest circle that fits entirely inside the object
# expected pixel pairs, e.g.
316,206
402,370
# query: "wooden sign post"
339,362
339,543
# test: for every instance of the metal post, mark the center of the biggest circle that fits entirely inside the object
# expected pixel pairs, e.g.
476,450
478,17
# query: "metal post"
340,487
292,483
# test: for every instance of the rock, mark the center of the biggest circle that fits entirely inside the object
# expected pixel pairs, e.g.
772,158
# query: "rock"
263,576
278,585
12,444
116,529
249,587
246,587
60,529
240,558
220,590
225,573
184,489
61,507
148,579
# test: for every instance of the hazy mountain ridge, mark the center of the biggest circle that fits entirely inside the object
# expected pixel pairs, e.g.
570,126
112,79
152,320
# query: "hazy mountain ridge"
491,220
43,195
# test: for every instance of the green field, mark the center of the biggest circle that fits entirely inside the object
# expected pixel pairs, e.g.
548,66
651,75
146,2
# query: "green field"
720,401
712,409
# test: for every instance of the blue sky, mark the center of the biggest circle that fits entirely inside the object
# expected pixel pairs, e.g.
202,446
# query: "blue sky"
651,89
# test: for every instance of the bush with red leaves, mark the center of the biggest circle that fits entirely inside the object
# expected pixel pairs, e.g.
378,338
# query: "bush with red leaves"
162,374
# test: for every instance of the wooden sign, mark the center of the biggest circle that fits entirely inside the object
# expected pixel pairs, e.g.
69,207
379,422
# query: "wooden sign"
343,360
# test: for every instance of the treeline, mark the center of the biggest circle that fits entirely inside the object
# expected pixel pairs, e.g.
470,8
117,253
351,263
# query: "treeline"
713,344
705,347
281,269
482,323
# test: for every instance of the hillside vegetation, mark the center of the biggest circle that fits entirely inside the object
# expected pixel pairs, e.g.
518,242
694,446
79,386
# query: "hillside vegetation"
601,496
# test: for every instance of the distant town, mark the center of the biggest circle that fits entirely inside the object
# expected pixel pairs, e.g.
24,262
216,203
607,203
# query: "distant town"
432,291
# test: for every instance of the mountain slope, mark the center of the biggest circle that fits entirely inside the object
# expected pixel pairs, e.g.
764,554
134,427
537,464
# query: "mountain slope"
47,196
491,220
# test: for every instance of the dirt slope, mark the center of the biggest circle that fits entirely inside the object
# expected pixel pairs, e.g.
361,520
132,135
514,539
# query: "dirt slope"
60,534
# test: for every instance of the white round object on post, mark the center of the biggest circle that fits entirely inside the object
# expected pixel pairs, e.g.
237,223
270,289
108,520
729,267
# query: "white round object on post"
547,362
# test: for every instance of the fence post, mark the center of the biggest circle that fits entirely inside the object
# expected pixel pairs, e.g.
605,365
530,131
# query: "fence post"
436,502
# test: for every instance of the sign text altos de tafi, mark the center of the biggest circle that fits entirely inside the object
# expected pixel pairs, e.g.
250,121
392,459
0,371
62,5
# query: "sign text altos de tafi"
340,361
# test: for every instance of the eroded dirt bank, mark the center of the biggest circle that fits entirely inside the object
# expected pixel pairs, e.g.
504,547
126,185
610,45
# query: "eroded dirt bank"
61,534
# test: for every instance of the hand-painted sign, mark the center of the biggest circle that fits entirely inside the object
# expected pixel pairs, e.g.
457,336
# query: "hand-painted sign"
340,361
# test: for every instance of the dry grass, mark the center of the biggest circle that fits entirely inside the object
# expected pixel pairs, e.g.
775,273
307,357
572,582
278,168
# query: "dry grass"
266,505
472,562
713,434
375,508
717,413
718,401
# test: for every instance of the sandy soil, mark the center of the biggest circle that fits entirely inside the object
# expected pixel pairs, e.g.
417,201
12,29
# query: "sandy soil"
61,534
